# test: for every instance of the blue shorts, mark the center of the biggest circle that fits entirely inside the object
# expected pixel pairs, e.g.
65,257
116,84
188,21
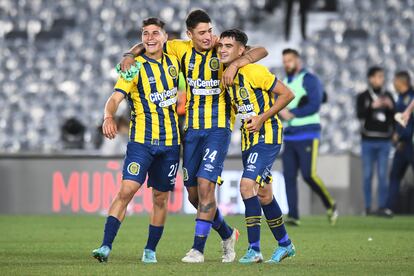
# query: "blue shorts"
160,162
204,154
258,161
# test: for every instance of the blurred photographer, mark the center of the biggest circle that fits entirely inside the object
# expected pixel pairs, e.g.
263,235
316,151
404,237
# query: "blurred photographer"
375,110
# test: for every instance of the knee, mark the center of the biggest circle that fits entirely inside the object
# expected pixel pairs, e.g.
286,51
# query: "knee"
125,195
265,198
160,199
206,191
247,191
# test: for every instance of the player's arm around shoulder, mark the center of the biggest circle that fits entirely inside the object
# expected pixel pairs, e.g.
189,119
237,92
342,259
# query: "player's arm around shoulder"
250,56
177,47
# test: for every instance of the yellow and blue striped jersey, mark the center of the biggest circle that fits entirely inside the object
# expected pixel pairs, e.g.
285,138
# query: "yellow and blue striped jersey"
208,105
251,95
152,96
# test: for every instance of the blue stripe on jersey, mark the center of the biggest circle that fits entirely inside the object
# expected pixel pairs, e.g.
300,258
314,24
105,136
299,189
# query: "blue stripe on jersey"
260,100
191,101
275,125
202,101
214,107
171,108
147,111
153,86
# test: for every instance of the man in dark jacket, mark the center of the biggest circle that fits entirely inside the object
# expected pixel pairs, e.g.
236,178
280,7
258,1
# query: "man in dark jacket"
375,109
404,153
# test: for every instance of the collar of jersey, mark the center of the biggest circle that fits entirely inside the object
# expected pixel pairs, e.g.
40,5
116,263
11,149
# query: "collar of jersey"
200,53
144,56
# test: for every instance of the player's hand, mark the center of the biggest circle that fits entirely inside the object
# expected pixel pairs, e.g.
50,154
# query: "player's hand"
405,117
386,102
228,75
401,118
127,62
254,124
286,114
109,128
377,104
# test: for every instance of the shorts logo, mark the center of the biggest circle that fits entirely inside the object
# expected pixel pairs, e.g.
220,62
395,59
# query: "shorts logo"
172,71
133,168
214,64
172,181
251,168
208,167
243,93
185,174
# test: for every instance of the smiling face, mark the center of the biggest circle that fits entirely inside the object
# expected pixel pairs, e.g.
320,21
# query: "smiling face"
202,36
153,37
229,49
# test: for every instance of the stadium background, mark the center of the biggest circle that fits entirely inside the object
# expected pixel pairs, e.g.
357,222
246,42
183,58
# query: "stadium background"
57,63
57,71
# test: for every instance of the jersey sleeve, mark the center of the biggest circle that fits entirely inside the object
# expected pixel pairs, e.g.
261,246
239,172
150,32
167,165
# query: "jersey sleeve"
124,86
177,47
262,78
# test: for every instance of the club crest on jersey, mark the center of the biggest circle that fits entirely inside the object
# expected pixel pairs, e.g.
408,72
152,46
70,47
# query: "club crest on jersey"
133,168
185,174
214,64
172,71
243,93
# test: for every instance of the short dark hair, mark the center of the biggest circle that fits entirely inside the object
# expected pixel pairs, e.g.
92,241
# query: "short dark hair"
290,51
373,70
153,21
404,75
237,34
195,17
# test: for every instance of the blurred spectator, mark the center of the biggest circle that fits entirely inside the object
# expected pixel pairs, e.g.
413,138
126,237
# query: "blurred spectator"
72,134
375,110
402,139
117,146
303,10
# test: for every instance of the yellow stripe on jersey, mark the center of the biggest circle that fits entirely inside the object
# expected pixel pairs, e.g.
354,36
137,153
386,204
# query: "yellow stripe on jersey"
207,104
251,95
152,96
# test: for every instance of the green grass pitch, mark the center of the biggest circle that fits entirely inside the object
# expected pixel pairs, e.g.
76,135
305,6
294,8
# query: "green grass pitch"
61,245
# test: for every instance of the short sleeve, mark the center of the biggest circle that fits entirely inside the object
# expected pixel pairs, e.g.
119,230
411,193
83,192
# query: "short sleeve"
124,86
177,47
262,78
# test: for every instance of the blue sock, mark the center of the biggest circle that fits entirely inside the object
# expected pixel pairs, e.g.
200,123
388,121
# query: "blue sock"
222,228
253,216
202,230
111,229
154,236
274,219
